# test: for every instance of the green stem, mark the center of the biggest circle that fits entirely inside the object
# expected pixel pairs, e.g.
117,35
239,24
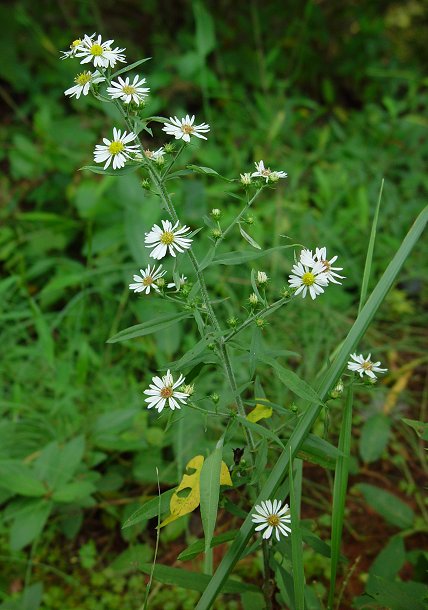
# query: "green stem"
264,313
240,215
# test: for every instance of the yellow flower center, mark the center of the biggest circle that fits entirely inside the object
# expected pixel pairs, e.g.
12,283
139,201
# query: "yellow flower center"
128,89
308,278
187,129
273,520
75,43
82,79
96,49
148,153
116,147
167,238
266,172
367,366
166,392
148,281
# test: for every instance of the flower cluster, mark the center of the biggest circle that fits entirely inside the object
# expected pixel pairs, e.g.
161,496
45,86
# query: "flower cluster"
313,272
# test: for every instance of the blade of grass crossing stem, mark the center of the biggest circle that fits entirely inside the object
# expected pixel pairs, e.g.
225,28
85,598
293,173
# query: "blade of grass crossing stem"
339,492
312,411
370,249
149,584
210,492
296,544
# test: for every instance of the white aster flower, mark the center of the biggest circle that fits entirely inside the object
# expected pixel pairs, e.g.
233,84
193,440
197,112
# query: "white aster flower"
309,259
267,173
99,52
363,365
183,279
128,92
147,280
271,517
184,128
169,238
245,179
74,47
83,83
308,277
118,149
163,392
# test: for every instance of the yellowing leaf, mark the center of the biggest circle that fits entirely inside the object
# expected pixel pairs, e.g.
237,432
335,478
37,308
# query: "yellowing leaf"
259,412
225,475
190,484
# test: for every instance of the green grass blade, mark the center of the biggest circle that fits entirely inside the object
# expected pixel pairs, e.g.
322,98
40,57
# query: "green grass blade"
296,543
339,492
370,249
312,411
210,493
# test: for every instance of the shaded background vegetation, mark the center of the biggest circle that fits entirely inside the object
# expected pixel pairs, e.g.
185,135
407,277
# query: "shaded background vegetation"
334,93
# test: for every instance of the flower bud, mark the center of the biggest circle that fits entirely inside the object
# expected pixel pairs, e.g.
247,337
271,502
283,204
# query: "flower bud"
337,391
260,322
232,322
215,397
145,184
188,389
249,219
253,299
285,293
262,278
160,282
216,213
216,233
169,147
245,179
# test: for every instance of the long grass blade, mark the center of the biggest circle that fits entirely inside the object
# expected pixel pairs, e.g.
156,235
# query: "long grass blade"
296,544
370,249
339,492
312,411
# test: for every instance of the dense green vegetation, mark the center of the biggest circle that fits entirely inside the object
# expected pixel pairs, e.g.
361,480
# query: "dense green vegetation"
333,95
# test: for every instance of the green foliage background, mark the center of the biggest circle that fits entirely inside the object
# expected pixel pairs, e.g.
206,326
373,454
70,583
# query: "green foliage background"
333,93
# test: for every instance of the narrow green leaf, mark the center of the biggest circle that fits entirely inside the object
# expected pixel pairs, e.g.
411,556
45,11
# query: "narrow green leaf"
339,492
312,411
374,437
420,427
248,238
207,171
198,547
293,381
150,509
97,169
210,493
394,510
296,544
319,451
370,249
237,258
147,328
260,430
195,581
130,67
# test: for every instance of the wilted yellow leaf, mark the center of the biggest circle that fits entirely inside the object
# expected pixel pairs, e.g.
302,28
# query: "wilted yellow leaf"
259,412
190,483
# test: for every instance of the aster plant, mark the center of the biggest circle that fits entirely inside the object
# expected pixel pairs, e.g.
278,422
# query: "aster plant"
241,409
